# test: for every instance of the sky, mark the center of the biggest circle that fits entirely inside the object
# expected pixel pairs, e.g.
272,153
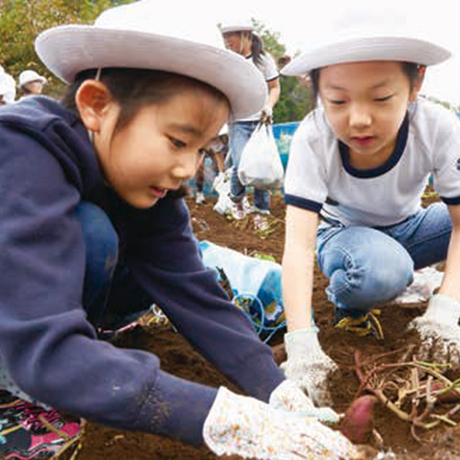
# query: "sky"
298,22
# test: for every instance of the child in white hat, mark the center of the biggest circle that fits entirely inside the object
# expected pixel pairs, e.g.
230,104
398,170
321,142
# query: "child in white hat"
31,83
358,167
94,231
240,36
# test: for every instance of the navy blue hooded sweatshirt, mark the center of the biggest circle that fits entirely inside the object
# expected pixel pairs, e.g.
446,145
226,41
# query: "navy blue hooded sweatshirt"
47,167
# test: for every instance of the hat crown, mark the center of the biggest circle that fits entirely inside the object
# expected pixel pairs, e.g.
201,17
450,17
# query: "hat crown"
145,16
236,25
143,35
366,24
28,75
369,34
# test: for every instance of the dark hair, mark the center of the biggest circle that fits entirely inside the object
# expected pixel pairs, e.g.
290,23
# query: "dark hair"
409,68
134,89
257,48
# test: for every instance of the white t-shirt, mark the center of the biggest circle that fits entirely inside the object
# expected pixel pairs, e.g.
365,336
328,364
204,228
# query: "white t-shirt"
270,72
320,178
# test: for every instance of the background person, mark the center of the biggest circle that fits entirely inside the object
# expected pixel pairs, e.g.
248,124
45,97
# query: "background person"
358,167
94,230
31,83
9,86
216,151
241,38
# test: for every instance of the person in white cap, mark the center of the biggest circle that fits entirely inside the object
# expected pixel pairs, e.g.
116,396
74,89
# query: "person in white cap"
31,83
241,37
358,166
8,87
94,231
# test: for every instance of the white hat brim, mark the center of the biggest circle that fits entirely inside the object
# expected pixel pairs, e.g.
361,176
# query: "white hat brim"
68,50
384,48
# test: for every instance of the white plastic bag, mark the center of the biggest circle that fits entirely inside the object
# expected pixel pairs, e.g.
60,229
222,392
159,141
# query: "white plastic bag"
260,163
222,187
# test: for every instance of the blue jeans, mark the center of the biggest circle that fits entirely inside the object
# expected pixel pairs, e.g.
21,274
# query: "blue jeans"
239,134
371,266
109,291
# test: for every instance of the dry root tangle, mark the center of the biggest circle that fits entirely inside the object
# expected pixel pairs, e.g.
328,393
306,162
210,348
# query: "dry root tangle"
416,392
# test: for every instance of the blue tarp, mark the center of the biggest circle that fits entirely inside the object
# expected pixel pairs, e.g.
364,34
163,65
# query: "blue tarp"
283,135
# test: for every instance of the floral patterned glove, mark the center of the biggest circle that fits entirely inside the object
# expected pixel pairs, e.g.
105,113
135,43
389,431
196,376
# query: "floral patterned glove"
439,331
308,365
289,397
243,426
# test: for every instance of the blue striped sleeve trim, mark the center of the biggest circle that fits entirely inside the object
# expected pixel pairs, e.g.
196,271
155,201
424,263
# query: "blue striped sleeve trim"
451,201
303,203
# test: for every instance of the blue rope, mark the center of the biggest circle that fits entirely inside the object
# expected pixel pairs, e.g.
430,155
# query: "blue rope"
258,318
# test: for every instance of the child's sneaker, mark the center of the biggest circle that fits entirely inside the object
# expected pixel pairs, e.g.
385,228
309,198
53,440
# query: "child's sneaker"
358,322
30,432
246,205
256,210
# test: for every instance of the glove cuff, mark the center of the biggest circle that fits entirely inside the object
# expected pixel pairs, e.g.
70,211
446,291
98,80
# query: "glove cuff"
301,341
443,306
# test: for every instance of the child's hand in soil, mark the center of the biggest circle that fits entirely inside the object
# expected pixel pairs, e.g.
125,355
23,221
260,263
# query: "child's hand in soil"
439,331
248,428
308,365
289,397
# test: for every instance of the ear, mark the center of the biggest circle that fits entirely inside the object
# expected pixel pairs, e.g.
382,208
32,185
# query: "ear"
417,84
92,100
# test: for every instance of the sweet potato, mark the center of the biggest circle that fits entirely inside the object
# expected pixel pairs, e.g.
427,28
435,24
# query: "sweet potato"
357,424
451,396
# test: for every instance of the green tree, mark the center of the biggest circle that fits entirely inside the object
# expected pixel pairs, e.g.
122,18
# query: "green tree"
22,20
295,100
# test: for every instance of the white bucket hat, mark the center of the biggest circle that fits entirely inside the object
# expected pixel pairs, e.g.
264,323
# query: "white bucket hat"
141,35
368,36
239,25
29,76
5,86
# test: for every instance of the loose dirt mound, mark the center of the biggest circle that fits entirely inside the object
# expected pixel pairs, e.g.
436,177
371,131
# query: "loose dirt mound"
178,358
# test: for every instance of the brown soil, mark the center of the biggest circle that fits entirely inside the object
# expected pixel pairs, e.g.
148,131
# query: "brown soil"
179,358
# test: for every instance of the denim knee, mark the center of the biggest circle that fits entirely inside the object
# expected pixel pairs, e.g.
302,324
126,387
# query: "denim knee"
364,269
101,245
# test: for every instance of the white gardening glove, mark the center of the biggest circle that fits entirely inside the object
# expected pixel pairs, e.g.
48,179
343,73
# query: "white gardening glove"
248,428
439,331
308,365
289,397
